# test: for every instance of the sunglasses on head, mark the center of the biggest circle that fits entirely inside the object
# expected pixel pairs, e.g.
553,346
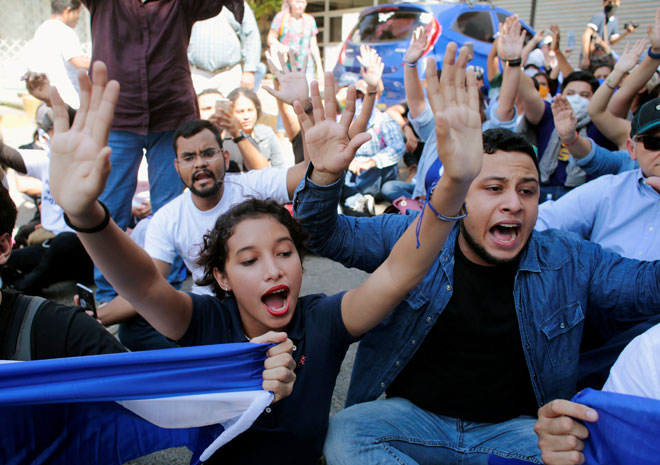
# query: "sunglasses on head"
650,142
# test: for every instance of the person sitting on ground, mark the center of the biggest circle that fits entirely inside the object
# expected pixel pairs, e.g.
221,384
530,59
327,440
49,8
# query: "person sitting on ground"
250,144
47,329
588,155
559,173
561,425
374,171
253,257
493,331
59,256
610,211
180,227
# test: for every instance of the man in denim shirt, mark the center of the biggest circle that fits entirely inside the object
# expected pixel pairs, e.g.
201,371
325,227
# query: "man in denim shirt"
466,362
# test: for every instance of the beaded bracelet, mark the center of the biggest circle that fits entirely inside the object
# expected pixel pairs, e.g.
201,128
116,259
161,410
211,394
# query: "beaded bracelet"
410,64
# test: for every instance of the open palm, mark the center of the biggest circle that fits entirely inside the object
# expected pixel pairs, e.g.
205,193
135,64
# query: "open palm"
80,165
455,105
326,140
293,82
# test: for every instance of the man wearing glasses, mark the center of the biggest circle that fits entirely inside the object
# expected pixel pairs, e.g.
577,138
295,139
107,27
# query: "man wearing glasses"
179,226
619,212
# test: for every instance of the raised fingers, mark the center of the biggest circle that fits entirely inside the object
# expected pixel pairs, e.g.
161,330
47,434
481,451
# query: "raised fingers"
60,113
472,90
272,67
459,83
330,97
317,105
432,86
349,108
448,74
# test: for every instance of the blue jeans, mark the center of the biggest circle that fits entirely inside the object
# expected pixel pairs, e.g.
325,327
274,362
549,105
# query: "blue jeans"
396,431
164,182
370,181
392,190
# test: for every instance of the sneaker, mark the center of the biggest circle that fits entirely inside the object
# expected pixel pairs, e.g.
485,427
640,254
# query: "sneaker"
359,205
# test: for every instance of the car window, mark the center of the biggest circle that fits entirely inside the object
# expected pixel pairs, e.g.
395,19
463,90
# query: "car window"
501,17
476,25
389,26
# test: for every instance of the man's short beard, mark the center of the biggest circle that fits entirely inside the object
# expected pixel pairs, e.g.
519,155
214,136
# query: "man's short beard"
209,191
482,252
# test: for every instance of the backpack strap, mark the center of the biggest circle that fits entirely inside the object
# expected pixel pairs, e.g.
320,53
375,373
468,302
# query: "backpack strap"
21,328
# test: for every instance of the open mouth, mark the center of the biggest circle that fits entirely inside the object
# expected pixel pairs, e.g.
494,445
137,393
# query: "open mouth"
505,234
276,300
202,175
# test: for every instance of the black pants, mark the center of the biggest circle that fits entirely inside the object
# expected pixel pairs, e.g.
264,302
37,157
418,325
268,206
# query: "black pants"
63,258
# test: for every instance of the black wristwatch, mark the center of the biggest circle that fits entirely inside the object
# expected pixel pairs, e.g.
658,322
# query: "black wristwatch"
242,136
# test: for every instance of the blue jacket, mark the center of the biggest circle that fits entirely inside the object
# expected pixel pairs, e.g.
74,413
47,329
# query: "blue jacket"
560,276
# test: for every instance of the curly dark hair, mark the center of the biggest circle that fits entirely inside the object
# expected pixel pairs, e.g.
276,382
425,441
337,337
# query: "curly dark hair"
214,250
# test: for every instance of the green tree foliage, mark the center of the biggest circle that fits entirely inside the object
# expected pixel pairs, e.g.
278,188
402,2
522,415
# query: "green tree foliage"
265,8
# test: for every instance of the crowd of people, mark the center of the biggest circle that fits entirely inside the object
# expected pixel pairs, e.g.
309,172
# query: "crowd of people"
515,261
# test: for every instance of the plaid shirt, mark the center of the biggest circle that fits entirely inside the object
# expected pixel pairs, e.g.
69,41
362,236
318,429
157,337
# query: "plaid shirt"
222,42
386,146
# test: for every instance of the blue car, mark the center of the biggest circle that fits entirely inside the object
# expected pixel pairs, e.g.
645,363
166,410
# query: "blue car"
388,28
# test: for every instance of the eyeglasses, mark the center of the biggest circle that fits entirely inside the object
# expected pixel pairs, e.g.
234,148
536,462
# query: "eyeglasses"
208,155
650,142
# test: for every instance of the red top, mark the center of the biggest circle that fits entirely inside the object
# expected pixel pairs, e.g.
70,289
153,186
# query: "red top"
145,47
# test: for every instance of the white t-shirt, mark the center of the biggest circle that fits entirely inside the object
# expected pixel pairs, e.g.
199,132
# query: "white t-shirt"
637,370
179,226
37,164
53,45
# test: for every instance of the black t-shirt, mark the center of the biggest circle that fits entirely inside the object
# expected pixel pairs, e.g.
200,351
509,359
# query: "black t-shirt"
471,364
293,429
58,331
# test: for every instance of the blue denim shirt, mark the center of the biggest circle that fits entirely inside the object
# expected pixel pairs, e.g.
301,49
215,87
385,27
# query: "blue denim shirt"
559,277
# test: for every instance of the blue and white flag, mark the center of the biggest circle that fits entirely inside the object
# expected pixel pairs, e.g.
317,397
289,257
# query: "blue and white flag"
109,409
627,431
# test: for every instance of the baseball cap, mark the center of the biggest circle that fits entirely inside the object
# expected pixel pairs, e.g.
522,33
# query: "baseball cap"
647,118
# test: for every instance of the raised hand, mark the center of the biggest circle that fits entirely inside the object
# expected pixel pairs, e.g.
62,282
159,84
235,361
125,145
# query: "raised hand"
556,37
278,373
511,40
326,140
38,86
654,32
372,66
630,56
225,120
293,81
80,160
455,107
565,120
418,43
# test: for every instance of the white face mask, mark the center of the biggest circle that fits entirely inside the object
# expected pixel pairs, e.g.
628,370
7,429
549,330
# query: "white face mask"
578,103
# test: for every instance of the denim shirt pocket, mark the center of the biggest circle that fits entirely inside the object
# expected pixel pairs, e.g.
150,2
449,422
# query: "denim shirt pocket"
563,334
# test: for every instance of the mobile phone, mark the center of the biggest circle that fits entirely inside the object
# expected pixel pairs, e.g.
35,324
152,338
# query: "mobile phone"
86,296
222,104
